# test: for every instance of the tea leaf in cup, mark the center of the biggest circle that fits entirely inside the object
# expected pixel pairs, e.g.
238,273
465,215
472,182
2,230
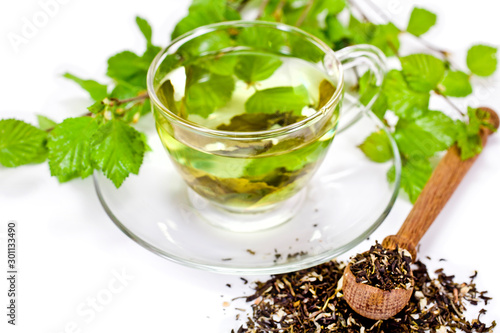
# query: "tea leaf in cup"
326,91
253,122
206,91
283,99
251,68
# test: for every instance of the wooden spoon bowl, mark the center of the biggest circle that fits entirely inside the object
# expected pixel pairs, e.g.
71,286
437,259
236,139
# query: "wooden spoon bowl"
374,303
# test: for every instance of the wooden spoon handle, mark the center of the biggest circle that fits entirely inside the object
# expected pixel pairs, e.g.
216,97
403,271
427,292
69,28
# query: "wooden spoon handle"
444,180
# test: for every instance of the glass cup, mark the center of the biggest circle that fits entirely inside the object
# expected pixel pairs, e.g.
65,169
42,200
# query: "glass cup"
247,112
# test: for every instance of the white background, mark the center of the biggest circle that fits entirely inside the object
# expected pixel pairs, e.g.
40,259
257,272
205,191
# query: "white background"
69,250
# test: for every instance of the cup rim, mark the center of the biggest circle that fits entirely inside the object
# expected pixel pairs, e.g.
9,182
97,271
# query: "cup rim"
234,134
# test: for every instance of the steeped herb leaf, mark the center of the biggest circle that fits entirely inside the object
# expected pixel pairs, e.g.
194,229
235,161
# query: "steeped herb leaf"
422,71
118,150
96,90
251,68
282,99
482,60
21,143
326,91
421,20
455,84
69,148
206,91
252,122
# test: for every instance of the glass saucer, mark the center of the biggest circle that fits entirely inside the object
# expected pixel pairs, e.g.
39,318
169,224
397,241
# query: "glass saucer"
344,203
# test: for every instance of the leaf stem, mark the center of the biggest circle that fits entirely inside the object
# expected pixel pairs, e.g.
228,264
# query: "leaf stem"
376,9
358,9
262,8
132,99
456,108
278,12
304,14
242,5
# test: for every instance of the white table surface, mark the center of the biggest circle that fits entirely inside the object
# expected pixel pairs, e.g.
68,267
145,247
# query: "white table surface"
69,250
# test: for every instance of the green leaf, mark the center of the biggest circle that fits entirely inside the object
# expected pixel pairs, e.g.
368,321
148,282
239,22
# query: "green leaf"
455,84
386,38
97,107
206,91
367,87
380,107
45,123
422,71
414,175
482,60
333,7
283,99
145,28
362,32
211,42
261,38
118,150
201,12
126,65
21,143
69,148
469,140
405,102
421,20
252,68
316,16
335,30
218,65
377,147
96,90
124,90
425,136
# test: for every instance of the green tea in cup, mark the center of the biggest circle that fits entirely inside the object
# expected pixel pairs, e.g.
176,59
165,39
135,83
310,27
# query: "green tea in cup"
247,121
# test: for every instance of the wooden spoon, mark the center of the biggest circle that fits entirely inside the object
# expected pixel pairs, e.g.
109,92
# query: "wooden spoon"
374,303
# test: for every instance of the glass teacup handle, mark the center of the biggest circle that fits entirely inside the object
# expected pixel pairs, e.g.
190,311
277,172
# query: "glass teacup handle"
352,59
